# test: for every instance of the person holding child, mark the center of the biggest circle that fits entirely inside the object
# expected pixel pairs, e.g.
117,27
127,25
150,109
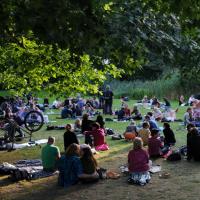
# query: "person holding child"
138,163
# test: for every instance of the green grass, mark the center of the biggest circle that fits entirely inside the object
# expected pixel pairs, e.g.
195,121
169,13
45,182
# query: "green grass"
115,146
137,89
182,179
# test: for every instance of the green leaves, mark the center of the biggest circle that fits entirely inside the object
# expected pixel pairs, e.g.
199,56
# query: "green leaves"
36,67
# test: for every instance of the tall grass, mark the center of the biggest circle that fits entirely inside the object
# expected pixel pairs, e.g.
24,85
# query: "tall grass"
170,88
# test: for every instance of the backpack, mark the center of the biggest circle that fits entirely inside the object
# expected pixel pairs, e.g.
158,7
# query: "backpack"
175,156
109,131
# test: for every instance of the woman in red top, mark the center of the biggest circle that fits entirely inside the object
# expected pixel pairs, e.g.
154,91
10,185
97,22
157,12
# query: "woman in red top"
138,164
98,136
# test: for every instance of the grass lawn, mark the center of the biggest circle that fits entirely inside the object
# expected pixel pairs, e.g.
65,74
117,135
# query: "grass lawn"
182,184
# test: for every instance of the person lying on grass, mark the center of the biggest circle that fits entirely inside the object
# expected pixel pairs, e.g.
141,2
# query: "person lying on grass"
138,163
71,169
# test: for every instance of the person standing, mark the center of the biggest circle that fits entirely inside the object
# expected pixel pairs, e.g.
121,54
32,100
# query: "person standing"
50,154
108,100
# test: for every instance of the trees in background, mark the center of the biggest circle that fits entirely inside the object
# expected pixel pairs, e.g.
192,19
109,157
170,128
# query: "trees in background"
74,45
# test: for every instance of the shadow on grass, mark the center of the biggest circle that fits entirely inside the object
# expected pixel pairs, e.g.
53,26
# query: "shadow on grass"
53,191
5,181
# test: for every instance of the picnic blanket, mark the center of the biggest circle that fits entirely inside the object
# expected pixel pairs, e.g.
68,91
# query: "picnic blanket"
23,145
33,168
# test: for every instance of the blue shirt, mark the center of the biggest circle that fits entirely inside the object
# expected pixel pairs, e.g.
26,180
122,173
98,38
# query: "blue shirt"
70,168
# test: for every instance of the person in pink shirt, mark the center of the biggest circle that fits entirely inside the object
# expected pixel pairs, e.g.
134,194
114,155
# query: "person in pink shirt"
154,144
138,164
96,137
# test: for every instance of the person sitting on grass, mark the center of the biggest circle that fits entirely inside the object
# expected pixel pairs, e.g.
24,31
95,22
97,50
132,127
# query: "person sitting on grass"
138,163
86,123
144,133
169,138
154,144
50,154
121,114
157,114
89,163
127,111
70,168
135,114
96,137
188,118
77,126
193,143
100,120
66,112
131,131
152,123
69,137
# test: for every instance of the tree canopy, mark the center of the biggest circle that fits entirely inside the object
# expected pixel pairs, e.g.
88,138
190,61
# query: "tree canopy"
68,46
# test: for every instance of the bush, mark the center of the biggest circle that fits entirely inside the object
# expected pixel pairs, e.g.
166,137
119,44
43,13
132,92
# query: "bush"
170,88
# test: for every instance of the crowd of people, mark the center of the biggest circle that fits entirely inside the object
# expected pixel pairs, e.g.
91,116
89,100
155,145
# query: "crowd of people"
16,109
78,164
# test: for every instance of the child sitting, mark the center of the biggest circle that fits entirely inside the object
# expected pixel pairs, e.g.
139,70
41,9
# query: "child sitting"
131,131
144,133
138,164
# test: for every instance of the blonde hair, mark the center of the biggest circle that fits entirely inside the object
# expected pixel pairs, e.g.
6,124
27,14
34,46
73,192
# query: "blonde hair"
137,143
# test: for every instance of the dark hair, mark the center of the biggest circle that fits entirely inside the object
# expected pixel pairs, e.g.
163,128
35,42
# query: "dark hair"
166,125
100,121
147,117
154,131
189,126
72,150
99,118
85,117
88,156
68,127
150,114
194,131
145,124
189,108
